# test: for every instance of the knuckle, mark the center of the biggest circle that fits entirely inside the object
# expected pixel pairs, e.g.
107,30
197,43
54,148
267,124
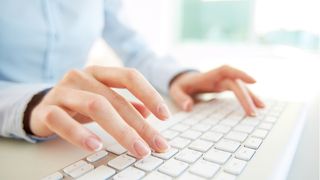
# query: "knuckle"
90,69
96,103
144,129
224,69
49,114
73,76
132,74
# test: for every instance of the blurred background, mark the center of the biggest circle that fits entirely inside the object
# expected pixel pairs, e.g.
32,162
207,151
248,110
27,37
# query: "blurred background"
276,41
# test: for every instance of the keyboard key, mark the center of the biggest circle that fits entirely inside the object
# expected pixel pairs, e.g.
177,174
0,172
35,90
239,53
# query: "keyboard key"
210,121
180,127
245,153
225,176
227,145
121,162
201,127
166,155
221,128
100,173
96,156
266,126
173,167
217,156
236,136
188,175
235,166
54,176
250,121
191,134
149,163
244,128
129,173
157,175
253,143
190,121
230,122
212,136
270,119
204,168
188,156
81,171
201,145
116,149
74,166
169,134
260,133
179,142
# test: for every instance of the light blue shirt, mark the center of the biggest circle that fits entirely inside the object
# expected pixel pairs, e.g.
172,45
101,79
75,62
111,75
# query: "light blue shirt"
40,40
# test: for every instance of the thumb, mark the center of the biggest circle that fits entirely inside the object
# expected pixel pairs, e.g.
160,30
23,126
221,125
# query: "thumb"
182,99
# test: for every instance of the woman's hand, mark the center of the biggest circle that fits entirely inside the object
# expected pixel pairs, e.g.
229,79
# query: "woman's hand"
82,96
186,85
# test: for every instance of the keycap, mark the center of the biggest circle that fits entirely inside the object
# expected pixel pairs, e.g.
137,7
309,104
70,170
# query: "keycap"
245,153
266,126
244,128
249,121
225,176
260,133
166,155
201,127
235,166
100,173
190,176
169,134
148,163
129,173
188,155
54,176
96,156
74,166
179,142
270,119
227,145
236,136
230,122
116,149
191,134
217,156
212,136
190,121
200,145
173,167
121,162
221,128
253,142
210,121
81,171
204,168
157,175
180,127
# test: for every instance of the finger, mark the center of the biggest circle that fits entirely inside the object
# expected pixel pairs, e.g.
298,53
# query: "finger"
256,100
98,108
142,109
58,121
243,97
234,73
135,83
181,98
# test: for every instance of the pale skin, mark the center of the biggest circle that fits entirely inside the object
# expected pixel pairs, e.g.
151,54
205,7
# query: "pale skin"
85,96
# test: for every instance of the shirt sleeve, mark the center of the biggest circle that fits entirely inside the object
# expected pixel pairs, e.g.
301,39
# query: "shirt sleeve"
14,100
135,53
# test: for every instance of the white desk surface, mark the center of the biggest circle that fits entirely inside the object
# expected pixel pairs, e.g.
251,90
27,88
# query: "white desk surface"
281,74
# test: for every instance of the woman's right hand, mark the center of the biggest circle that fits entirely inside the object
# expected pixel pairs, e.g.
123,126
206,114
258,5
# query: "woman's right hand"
82,96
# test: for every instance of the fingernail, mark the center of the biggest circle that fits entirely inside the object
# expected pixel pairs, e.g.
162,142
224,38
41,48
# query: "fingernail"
161,143
164,110
141,149
94,144
187,105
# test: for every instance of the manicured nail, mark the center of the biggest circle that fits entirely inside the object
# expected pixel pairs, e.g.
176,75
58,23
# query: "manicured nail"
164,111
161,143
187,105
94,144
141,149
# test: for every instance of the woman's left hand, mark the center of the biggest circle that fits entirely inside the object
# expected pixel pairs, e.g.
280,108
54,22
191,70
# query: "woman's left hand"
186,85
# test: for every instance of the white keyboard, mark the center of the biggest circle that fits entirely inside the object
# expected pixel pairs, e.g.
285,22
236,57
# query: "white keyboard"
215,141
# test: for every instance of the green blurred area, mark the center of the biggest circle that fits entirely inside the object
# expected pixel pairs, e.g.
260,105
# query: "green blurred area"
229,21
